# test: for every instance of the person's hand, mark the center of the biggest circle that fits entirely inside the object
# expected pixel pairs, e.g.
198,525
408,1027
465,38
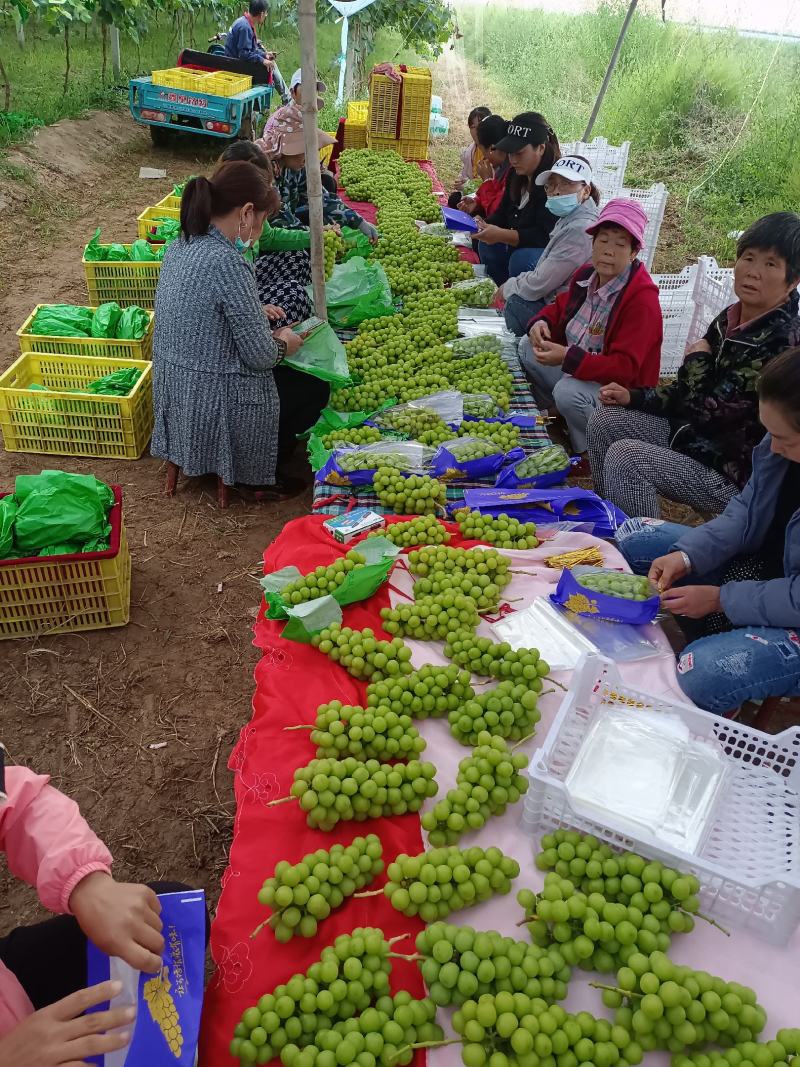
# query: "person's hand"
667,570
613,395
290,339
538,334
268,63
273,312
699,346
549,354
490,235
60,1035
459,184
692,601
468,204
121,919
370,230
485,170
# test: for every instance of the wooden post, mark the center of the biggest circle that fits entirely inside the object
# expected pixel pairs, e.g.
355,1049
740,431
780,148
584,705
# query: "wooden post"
611,64
308,51
116,63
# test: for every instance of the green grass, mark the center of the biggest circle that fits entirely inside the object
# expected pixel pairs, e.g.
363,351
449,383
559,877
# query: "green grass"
680,96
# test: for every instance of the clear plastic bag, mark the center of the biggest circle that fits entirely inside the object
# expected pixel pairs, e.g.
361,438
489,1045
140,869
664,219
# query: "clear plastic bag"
475,292
476,343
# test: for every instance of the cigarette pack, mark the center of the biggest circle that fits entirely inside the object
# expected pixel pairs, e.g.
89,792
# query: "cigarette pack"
344,528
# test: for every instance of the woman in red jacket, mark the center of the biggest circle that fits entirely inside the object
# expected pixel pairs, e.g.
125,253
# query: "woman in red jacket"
606,327
494,169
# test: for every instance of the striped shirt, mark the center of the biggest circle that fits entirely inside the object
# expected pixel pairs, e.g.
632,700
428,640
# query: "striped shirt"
587,327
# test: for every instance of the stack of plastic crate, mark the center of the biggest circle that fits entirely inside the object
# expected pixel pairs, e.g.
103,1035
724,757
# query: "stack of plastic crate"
608,162
399,112
355,125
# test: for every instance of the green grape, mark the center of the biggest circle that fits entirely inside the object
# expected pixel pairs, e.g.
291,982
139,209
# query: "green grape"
480,406
363,654
475,293
322,581
471,448
504,434
545,460
343,870
353,435
509,710
499,530
334,247
430,692
332,791
415,495
617,584
425,530
487,782
478,573
484,657
431,618
442,880
361,459
475,346
411,422
366,733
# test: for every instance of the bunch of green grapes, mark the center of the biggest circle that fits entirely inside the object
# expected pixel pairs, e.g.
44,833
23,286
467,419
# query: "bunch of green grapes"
617,583
475,292
490,659
430,692
667,1006
486,783
415,495
480,405
331,791
442,880
366,397
361,459
499,530
352,435
426,530
476,346
435,437
301,895
545,460
349,976
460,271
479,573
467,449
366,733
779,1052
411,422
624,877
322,581
382,1036
334,247
593,932
460,963
512,1028
424,384
504,434
431,618
509,710
363,654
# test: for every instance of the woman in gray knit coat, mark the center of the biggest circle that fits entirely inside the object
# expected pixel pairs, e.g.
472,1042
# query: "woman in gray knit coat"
217,406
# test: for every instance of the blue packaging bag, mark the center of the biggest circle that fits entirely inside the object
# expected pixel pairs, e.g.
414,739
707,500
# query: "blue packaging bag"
448,467
168,1005
510,476
356,466
575,597
549,505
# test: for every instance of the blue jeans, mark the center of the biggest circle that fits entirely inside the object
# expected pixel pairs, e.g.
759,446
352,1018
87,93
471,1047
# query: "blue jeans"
503,262
518,313
720,672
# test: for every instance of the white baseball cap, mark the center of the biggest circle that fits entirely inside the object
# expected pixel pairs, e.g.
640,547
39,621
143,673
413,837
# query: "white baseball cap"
297,79
573,168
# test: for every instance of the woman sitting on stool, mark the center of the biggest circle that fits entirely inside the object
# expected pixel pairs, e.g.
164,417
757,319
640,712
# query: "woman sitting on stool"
734,583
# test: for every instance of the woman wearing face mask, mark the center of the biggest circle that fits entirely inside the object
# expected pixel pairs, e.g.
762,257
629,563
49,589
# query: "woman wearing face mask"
218,409
512,239
734,583
606,325
572,198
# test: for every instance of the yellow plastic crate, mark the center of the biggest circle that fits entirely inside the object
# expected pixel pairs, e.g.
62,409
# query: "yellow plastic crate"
127,283
415,113
384,105
358,112
407,147
110,348
173,203
151,216
221,83
56,421
355,135
175,78
68,594
326,152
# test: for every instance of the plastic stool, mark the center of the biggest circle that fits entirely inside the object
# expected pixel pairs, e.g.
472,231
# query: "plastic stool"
173,470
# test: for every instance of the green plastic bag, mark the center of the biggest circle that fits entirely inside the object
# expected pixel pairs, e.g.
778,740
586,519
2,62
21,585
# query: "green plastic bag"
57,509
95,252
106,319
322,355
330,420
166,230
133,324
143,252
62,320
358,244
357,291
8,513
120,383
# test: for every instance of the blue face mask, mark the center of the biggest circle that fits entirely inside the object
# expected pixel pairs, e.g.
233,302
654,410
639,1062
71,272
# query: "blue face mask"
563,205
242,246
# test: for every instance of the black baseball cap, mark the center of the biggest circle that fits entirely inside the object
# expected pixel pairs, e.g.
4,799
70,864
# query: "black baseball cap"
526,128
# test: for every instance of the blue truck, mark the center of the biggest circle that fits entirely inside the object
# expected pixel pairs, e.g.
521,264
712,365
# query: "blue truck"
167,111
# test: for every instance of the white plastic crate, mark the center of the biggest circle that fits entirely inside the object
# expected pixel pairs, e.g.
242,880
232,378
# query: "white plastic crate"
676,297
749,865
608,162
653,200
713,291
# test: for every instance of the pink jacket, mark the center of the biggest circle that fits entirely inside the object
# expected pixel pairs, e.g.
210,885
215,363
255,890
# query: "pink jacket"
48,845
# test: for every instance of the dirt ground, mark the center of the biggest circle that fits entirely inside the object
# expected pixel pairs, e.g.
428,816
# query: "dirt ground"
87,709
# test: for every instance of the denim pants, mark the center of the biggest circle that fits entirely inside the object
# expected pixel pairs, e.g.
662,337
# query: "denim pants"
718,673
518,313
503,262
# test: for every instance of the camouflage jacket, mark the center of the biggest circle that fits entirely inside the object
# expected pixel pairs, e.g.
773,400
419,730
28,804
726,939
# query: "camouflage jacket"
712,405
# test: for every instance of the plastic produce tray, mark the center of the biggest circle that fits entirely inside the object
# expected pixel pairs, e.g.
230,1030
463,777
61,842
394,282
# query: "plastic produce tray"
67,594
55,421
749,865
111,348
127,283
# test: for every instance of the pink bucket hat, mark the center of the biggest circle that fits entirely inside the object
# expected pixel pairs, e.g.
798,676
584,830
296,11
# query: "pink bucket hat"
625,213
283,133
